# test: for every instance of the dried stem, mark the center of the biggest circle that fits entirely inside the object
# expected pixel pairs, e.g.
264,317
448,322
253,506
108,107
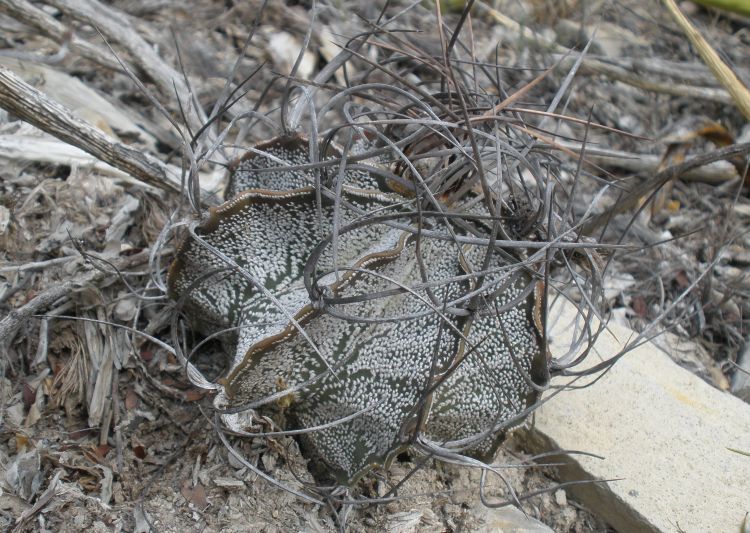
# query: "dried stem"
36,108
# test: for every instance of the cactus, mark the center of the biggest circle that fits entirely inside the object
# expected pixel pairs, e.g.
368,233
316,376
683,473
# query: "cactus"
356,315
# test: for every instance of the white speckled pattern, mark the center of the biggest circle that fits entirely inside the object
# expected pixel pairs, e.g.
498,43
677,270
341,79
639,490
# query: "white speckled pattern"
383,353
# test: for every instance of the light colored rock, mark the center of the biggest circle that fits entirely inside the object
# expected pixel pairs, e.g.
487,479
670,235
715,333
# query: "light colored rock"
741,379
286,48
664,434
507,520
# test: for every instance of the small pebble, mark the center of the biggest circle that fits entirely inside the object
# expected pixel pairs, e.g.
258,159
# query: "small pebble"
689,8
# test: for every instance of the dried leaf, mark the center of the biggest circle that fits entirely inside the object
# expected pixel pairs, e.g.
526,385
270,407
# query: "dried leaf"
193,395
194,494
89,483
34,415
131,400
14,415
139,451
638,303
36,409
23,474
103,450
97,454
121,221
22,443
146,354
102,366
682,280
29,396
403,522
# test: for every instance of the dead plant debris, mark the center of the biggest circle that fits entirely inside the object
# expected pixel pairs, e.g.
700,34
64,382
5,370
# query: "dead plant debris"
100,428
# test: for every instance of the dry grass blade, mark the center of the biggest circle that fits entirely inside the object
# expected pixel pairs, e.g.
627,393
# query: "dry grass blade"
727,77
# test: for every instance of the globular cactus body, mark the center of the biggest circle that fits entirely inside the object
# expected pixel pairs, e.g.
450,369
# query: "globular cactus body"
348,303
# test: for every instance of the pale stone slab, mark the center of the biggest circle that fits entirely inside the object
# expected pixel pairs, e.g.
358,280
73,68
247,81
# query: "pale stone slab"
665,432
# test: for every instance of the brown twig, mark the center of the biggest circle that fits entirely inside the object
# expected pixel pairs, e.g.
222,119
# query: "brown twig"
38,109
